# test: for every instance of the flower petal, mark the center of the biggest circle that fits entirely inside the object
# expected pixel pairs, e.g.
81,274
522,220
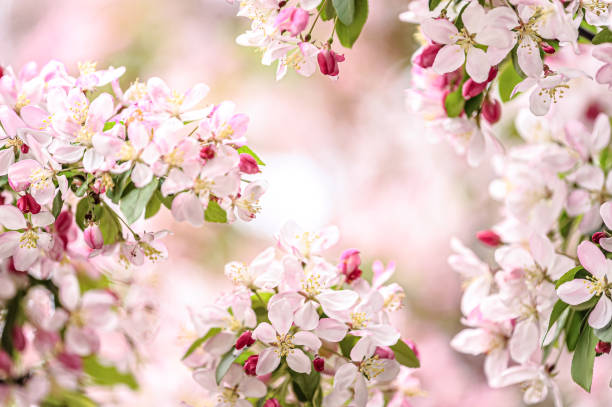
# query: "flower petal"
298,361
268,362
602,313
575,292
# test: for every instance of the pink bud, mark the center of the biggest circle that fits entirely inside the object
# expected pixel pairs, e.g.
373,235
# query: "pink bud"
547,48
27,204
426,58
597,236
70,361
492,73
245,340
207,152
250,366
271,403
593,110
319,364
489,237
472,88
384,352
491,110
602,347
412,346
328,62
248,164
349,261
19,339
6,363
24,148
292,19
63,222
93,237
353,275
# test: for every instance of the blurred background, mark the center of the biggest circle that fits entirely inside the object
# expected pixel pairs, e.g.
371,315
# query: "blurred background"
345,152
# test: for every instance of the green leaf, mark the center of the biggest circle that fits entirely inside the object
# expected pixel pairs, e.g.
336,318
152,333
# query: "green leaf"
405,355
83,208
11,317
226,363
473,105
346,345
556,313
215,213
348,34
83,188
154,205
345,10
515,62
568,276
326,8
604,334
454,103
104,375
604,35
135,201
121,184
584,357
166,200
68,399
198,342
508,79
586,305
247,150
87,282
58,203
433,4
459,20
605,159
108,126
305,385
109,225
573,328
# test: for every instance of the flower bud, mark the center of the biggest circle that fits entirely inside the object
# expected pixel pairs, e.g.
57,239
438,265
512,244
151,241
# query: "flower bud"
328,62
24,148
412,346
93,237
349,261
597,236
272,403
19,339
70,361
6,364
426,58
384,352
245,340
353,275
472,88
492,73
546,47
489,237
491,110
27,204
207,152
250,366
602,347
63,222
248,164
292,19
319,364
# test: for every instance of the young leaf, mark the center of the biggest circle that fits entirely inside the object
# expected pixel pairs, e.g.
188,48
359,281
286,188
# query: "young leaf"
568,276
454,103
345,10
348,34
584,357
109,225
83,188
326,8
603,36
58,203
107,375
215,213
604,334
108,126
557,310
305,385
473,105
226,363
347,344
405,355
83,207
198,342
508,79
154,205
134,202
433,4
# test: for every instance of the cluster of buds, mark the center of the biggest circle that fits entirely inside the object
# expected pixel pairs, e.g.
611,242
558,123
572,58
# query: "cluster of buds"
283,31
80,169
297,328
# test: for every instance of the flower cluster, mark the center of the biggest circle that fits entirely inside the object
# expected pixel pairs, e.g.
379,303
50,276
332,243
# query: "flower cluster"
82,162
476,53
282,31
549,289
299,329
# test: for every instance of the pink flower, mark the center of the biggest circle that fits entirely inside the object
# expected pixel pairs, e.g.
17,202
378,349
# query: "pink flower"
292,19
603,53
93,237
328,62
248,165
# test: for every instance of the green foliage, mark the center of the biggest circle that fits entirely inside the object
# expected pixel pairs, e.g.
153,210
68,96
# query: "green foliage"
433,4
135,201
603,36
473,105
154,205
58,203
604,334
345,10
108,126
556,313
121,182
348,33
459,20
568,276
454,103
68,399
109,225
584,357
247,150
215,213
508,79
198,342
86,282
104,375
226,363
82,189
405,355
305,385
346,344
326,8
83,208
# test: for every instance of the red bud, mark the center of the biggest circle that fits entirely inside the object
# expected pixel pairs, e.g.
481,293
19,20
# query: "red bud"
489,237
491,110
248,164
597,236
245,340
319,364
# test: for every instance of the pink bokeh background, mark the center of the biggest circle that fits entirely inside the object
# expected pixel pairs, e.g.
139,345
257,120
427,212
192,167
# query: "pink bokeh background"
345,152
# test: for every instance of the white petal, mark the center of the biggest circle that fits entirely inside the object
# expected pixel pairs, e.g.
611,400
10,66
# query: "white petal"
307,339
602,313
281,315
306,317
11,217
268,361
592,259
265,333
575,292
449,58
331,330
477,64
298,361
439,30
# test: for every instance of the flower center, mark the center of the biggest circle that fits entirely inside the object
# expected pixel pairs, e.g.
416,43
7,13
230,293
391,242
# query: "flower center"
22,101
28,240
312,284
229,396
87,68
233,324
238,273
284,344
174,158
597,286
79,112
464,39
84,136
127,151
371,367
554,93
359,320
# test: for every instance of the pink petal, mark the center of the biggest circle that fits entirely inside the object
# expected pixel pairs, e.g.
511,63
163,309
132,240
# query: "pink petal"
449,58
11,217
268,361
265,333
307,339
281,316
297,361
529,59
602,313
477,64
575,292
187,207
439,30
592,259
331,330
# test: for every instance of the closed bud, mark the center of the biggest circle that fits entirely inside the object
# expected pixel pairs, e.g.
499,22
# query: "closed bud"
472,88
426,58
272,403
602,347
384,352
70,361
207,152
492,73
63,222
489,237
597,236
328,62
319,364
349,261
491,110
245,340
353,275
24,148
292,19
412,346
546,47
27,204
19,339
248,164
250,366
93,237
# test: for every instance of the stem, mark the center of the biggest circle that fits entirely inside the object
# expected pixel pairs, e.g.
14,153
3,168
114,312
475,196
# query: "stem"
316,19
